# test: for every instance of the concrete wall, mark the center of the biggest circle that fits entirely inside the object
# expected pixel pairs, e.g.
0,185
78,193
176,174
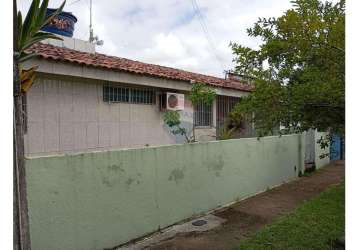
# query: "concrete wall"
67,115
72,43
100,200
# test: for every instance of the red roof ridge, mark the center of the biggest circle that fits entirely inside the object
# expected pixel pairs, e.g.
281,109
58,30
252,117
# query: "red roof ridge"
48,51
162,66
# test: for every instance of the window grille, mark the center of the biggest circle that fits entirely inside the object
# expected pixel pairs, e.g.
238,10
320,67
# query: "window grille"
224,105
203,115
128,95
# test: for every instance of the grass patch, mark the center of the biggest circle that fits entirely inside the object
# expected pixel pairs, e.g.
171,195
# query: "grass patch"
313,225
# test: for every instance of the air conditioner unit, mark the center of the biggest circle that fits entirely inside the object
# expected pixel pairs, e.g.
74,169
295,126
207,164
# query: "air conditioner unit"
172,101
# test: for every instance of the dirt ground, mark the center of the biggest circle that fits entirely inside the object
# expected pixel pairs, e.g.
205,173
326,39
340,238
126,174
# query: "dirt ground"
247,217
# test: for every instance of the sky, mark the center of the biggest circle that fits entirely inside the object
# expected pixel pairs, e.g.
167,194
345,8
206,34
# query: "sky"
170,32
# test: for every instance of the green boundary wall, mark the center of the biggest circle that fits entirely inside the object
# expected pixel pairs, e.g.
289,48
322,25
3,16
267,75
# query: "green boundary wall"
104,199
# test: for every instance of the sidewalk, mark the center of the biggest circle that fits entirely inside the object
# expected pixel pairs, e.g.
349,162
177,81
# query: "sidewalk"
245,218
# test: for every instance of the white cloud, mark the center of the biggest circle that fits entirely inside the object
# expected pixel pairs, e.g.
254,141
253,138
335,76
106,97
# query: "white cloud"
168,45
167,32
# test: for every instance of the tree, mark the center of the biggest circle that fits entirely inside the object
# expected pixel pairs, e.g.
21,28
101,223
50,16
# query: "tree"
172,119
199,92
299,70
26,33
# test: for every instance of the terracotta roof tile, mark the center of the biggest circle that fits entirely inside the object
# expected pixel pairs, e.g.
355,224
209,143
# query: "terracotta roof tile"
47,51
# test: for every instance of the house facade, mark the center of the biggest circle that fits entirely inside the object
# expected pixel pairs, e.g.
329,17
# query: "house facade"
85,101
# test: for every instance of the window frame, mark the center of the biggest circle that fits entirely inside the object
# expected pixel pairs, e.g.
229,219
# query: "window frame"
128,94
202,113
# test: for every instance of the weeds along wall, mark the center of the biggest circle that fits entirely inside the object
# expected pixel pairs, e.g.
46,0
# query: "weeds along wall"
103,199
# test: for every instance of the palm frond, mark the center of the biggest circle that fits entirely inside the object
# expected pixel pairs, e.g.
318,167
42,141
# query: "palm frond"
29,32
29,22
42,13
24,57
39,36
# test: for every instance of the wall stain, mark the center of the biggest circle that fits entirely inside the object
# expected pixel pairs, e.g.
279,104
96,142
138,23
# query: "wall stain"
177,175
112,175
216,165
129,181
116,168
109,182
132,181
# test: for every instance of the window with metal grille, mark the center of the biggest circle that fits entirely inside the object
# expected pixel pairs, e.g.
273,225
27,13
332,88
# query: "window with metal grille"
203,115
128,95
224,105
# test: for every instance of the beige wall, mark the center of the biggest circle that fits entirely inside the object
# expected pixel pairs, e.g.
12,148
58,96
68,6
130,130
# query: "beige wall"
70,116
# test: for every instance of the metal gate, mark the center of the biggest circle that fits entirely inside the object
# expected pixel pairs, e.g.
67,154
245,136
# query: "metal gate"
337,148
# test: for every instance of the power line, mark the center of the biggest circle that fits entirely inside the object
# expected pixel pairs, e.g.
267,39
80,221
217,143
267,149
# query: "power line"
205,29
73,2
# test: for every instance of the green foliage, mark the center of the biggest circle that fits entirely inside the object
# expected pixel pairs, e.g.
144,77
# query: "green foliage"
231,126
172,119
28,31
314,225
201,92
227,133
325,142
302,84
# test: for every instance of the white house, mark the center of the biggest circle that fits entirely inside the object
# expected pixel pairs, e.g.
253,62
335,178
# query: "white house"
85,101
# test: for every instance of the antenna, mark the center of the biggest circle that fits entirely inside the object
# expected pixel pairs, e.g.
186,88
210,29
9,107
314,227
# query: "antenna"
90,26
92,38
